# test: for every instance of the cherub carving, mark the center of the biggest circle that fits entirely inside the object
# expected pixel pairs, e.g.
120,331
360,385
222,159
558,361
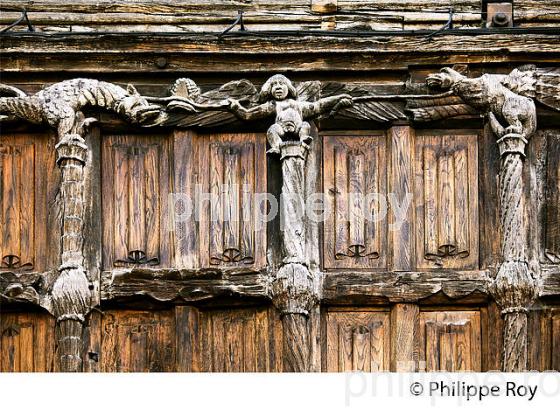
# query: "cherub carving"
291,106
507,100
279,97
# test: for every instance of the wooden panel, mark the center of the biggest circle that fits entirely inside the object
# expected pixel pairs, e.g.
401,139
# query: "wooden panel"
555,348
355,186
135,189
450,341
225,172
404,336
446,201
401,183
552,221
233,340
22,203
135,341
357,340
26,342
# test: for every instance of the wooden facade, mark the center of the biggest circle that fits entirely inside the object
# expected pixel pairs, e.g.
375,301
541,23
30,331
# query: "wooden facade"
97,275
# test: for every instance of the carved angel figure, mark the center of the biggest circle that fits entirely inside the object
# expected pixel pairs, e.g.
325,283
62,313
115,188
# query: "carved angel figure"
506,99
59,104
278,98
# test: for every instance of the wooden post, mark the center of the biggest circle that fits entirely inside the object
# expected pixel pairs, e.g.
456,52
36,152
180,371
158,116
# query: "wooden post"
293,287
514,287
71,294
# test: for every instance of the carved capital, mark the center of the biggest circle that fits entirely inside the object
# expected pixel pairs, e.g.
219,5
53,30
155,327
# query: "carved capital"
514,288
71,150
293,149
512,144
293,290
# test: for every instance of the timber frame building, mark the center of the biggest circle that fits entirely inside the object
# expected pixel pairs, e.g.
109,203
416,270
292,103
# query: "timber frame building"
115,113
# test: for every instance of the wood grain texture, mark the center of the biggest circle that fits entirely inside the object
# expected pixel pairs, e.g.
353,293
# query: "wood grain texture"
357,340
135,178
220,174
401,184
136,341
450,341
552,218
355,188
23,202
404,337
26,342
237,340
446,201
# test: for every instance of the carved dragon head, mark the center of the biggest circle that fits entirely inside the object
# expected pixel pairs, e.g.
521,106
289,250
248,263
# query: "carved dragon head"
136,108
444,79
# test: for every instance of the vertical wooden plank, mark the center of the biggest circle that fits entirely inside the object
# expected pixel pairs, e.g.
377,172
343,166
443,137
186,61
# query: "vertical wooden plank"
404,334
119,205
356,185
248,215
461,200
186,330
552,220
341,200
186,178
27,203
232,169
152,199
446,201
216,235
555,348
401,184
136,196
431,205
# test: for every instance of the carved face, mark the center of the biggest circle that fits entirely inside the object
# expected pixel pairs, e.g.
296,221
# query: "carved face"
136,108
279,90
444,79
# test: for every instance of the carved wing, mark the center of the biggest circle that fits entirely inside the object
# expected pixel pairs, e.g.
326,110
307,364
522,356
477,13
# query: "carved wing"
542,84
426,110
15,104
242,90
361,110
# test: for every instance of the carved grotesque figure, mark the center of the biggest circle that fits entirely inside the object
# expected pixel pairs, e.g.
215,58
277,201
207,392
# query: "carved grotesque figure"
58,104
508,112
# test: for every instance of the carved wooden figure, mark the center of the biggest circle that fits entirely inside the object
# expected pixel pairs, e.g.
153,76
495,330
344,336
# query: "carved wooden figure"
507,101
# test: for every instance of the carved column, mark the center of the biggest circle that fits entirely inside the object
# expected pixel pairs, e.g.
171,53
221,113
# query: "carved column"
514,286
293,287
71,293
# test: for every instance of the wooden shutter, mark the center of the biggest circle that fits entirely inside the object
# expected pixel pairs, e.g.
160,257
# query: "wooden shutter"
355,181
232,340
26,342
23,185
224,229
135,190
138,341
446,198
450,341
552,219
357,340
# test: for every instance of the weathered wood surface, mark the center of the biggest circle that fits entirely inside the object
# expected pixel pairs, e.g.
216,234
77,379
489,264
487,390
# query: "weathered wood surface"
26,342
215,16
450,341
402,287
357,340
184,284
